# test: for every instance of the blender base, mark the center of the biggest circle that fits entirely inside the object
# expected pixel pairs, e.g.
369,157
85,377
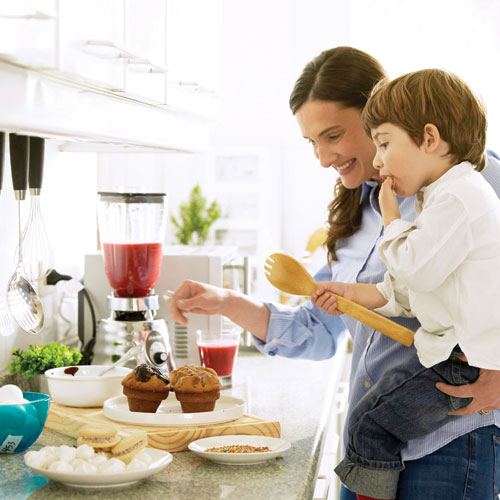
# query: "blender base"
115,338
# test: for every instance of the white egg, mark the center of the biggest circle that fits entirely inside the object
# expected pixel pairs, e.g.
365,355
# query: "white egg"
66,453
85,451
11,392
59,466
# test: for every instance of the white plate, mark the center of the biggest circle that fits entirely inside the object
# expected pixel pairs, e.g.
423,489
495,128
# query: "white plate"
169,412
160,460
277,447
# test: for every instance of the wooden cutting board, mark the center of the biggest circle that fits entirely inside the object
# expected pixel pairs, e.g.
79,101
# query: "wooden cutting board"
67,420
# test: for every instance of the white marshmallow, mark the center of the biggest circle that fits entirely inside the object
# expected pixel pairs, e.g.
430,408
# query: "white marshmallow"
112,465
136,464
97,459
59,466
85,468
66,453
85,451
145,457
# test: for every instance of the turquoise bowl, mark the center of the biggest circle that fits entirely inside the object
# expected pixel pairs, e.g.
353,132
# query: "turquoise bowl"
21,424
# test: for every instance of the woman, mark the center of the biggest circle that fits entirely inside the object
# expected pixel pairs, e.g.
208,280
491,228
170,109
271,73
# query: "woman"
458,460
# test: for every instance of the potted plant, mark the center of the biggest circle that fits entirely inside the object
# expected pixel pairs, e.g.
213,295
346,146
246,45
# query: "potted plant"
32,362
195,218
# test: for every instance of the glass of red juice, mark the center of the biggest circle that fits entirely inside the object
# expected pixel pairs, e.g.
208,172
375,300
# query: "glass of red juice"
218,350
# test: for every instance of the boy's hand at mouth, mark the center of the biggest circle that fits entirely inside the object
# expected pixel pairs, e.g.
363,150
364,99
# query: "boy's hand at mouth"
388,203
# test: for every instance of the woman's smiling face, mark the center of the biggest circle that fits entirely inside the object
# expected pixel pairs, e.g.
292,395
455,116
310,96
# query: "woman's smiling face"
339,140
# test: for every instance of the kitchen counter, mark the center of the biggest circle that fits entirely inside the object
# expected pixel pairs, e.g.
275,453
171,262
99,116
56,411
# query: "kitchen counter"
297,393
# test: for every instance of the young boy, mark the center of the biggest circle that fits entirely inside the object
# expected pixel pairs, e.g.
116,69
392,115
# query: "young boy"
429,131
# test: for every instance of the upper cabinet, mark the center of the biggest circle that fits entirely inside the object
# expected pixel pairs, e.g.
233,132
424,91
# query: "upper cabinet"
194,54
145,41
29,32
91,37
162,52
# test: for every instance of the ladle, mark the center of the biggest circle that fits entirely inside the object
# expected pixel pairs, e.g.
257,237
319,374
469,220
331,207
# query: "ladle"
290,276
24,303
6,324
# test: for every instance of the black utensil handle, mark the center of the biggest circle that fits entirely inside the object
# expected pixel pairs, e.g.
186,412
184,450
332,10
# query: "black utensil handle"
19,158
37,151
2,156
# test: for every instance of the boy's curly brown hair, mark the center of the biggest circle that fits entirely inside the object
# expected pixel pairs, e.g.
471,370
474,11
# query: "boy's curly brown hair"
432,96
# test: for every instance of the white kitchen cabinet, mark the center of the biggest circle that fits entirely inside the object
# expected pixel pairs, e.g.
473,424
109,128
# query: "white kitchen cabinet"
194,55
145,42
28,32
327,483
91,36
162,52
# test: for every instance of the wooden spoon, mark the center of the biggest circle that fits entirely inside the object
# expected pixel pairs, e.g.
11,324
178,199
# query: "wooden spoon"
290,276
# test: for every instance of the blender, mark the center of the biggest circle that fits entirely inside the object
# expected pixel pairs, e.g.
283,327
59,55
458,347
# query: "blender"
131,229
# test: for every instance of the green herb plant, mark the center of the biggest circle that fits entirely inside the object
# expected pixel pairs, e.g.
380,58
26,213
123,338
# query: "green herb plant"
195,218
38,358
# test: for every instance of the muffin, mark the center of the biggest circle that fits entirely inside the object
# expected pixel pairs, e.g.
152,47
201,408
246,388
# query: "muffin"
196,388
146,387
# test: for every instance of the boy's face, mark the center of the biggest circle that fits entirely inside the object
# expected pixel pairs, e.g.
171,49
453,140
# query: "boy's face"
401,159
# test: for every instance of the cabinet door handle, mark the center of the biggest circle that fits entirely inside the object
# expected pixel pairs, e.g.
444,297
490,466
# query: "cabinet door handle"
106,49
195,87
341,398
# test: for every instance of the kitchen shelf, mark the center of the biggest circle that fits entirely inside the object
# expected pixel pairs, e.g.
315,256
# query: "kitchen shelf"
52,104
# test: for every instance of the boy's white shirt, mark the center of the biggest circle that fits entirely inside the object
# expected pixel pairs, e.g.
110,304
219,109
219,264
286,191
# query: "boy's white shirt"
445,269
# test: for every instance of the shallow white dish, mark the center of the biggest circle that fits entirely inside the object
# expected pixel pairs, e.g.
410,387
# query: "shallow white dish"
277,447
160,460
85,389
169,412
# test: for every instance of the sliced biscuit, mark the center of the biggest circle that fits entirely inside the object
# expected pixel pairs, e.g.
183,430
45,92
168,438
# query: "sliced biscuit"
102,436
129,446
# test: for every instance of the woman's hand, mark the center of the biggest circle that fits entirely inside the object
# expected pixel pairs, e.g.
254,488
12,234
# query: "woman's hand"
388,203
485,392
197,298
321,298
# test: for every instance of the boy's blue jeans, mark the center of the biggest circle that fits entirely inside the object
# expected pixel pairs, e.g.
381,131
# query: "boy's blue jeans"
404,404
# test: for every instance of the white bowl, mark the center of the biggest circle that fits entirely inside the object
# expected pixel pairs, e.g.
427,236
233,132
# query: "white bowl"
85,389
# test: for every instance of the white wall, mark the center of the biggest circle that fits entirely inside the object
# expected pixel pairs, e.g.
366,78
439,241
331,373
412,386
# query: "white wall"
462,36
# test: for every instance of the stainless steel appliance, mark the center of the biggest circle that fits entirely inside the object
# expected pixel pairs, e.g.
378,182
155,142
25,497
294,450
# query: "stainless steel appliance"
131,229
216,265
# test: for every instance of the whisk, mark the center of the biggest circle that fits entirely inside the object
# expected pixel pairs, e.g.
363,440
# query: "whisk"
38,256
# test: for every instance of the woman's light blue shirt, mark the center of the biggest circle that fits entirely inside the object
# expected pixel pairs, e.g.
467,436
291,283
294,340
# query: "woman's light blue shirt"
310,333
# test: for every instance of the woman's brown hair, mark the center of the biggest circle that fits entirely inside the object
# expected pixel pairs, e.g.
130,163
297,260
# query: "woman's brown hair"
347,76
432,96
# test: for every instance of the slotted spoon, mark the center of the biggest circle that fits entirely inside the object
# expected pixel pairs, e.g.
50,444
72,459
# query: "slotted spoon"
6,323
290,276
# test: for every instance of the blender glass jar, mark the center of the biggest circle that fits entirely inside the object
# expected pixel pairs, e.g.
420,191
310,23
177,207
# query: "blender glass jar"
131,229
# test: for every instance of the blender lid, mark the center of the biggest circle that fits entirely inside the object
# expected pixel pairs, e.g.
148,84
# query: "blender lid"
133,197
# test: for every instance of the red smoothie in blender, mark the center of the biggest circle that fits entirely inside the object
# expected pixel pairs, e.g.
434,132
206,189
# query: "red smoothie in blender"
132,269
